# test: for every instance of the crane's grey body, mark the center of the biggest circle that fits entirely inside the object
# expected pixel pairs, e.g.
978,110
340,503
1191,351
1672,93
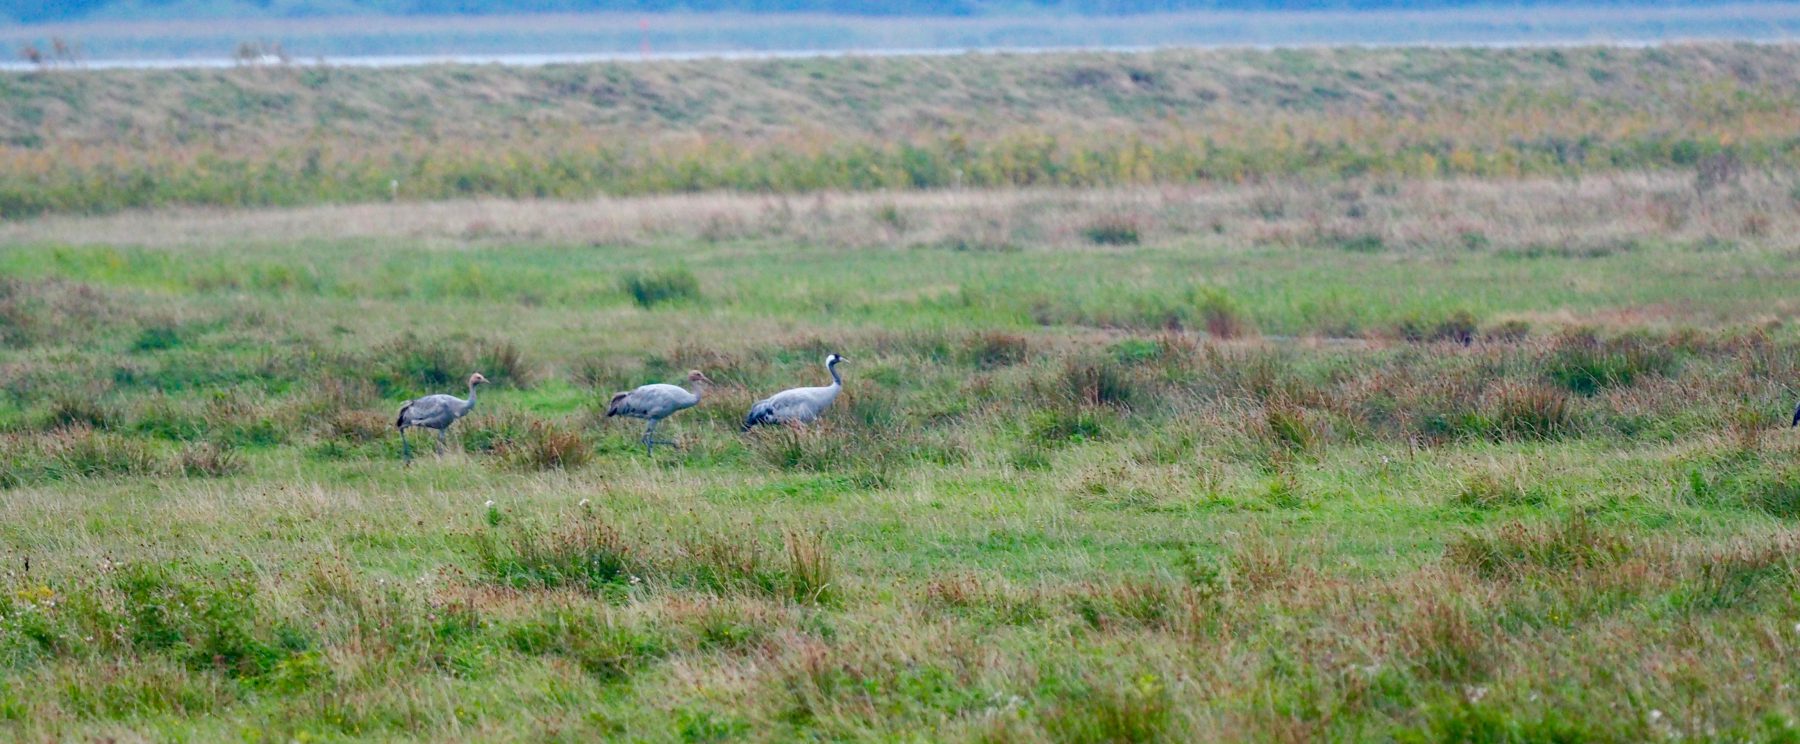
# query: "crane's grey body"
434,412
797,405
656,402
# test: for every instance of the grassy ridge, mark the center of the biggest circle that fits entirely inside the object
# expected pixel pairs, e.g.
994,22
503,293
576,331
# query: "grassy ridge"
105,140
1366,459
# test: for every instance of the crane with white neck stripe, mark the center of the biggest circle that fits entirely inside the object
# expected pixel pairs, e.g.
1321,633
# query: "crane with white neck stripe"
797,405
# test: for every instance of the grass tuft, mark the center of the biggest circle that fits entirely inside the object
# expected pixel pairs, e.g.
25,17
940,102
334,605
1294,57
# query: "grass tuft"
208,460
1585,363
545,446
585,554
1520,550
1114,230
810,569
649,289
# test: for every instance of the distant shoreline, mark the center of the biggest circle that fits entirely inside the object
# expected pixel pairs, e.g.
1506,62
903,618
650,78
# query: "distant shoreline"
532,40
540,60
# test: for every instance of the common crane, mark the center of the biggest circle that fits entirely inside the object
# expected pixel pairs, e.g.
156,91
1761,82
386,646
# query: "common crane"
435,412
797,405
656,402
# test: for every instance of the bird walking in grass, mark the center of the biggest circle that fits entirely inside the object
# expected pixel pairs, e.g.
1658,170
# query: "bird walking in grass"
656,402
434,412
798,405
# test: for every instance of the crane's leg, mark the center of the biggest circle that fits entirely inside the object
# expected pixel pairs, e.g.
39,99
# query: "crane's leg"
650,439
405,448
440,444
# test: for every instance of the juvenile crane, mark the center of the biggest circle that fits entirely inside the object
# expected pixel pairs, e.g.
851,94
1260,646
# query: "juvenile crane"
435,412
656,402
797,405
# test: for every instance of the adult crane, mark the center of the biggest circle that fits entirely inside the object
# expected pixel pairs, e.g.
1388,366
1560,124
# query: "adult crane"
434,412
656,402
797,405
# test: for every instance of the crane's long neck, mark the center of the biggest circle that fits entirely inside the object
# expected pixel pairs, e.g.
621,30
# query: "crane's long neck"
468,405
698,388
836,381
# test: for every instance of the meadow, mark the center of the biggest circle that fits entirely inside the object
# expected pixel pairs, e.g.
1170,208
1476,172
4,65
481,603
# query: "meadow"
1374,456
75,141
1135,465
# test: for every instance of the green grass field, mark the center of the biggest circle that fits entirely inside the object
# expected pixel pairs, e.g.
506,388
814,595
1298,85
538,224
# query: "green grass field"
1176,464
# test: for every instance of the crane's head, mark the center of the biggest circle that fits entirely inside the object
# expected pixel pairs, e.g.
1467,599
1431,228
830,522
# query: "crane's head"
695,375
834,359
477,379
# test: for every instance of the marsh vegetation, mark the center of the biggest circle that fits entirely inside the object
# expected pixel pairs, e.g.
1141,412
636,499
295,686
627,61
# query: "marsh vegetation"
1375,456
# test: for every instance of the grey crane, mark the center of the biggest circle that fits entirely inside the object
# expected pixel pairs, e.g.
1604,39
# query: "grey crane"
797,405
434,412
656,402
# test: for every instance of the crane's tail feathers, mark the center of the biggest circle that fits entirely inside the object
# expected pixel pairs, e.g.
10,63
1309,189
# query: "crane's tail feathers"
1796,416
400,421
757,417
614,406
